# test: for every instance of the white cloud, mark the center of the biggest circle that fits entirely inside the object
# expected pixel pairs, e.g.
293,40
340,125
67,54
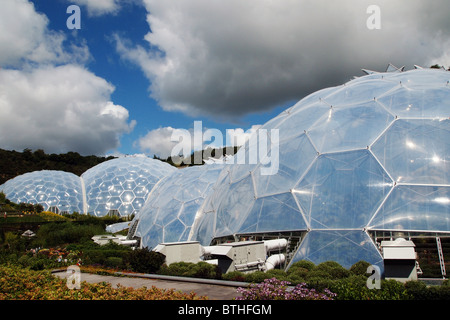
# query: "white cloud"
228,59
158,142
59,109
99,7
166,140
48,100
25,38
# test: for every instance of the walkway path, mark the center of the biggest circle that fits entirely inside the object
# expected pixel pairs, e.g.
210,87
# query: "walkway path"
213,289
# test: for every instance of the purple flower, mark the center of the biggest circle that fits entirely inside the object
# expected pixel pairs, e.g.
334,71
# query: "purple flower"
274,289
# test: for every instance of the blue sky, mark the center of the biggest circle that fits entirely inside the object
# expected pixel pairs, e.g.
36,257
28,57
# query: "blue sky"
139,69
131,86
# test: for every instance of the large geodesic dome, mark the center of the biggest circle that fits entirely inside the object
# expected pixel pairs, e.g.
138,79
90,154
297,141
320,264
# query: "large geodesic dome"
172,205
121,185
56,191
369,156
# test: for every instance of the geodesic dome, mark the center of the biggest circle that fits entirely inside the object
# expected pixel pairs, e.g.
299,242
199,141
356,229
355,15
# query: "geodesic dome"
121,185
57,191
172,205
370,155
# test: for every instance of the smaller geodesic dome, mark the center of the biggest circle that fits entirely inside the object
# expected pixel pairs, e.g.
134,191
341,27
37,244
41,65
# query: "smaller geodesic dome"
120,186
56,191
172,205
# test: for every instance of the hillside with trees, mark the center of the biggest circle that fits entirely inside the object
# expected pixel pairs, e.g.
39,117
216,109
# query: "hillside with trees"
14,163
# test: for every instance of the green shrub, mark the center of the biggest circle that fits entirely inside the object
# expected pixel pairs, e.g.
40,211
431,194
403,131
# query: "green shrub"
37,264
144,260
360,268
189,269
392,290
277,273
333,269
352,288
418,290
24,260
256,277
234,276
114,262
304,264
56,234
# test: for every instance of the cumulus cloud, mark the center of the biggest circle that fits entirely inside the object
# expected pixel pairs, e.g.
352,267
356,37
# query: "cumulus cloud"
60,109
25,38
166,141
48,99
99,7
228,59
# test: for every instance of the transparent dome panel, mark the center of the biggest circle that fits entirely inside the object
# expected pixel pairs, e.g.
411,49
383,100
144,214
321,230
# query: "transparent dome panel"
294,158
274,213
415,208
416,151
419,93
349,127
343,246
122,184
359,91
342,190
300,120
173,204
237,203
48,188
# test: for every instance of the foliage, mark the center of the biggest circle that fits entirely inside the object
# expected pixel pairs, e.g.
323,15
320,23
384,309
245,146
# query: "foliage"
13,163
359,268
274,289
188,269
23,284
145,261
51,216
54,234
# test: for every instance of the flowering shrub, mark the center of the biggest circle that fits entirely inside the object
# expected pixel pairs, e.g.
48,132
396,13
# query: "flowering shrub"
23,284
274,289
51,216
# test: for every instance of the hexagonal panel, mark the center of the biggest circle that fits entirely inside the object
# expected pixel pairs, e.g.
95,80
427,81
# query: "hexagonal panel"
349,127
295,156
343,246
173,204
416,151
425,101
278,212
48,188
342,190
119,178
416,208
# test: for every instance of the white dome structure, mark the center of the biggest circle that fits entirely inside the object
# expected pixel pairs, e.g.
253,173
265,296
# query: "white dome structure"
371,155
56,191
120,186
172,205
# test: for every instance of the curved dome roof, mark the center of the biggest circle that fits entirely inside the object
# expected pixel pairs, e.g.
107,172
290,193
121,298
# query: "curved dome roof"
372,154
52,189
171,208
122,184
